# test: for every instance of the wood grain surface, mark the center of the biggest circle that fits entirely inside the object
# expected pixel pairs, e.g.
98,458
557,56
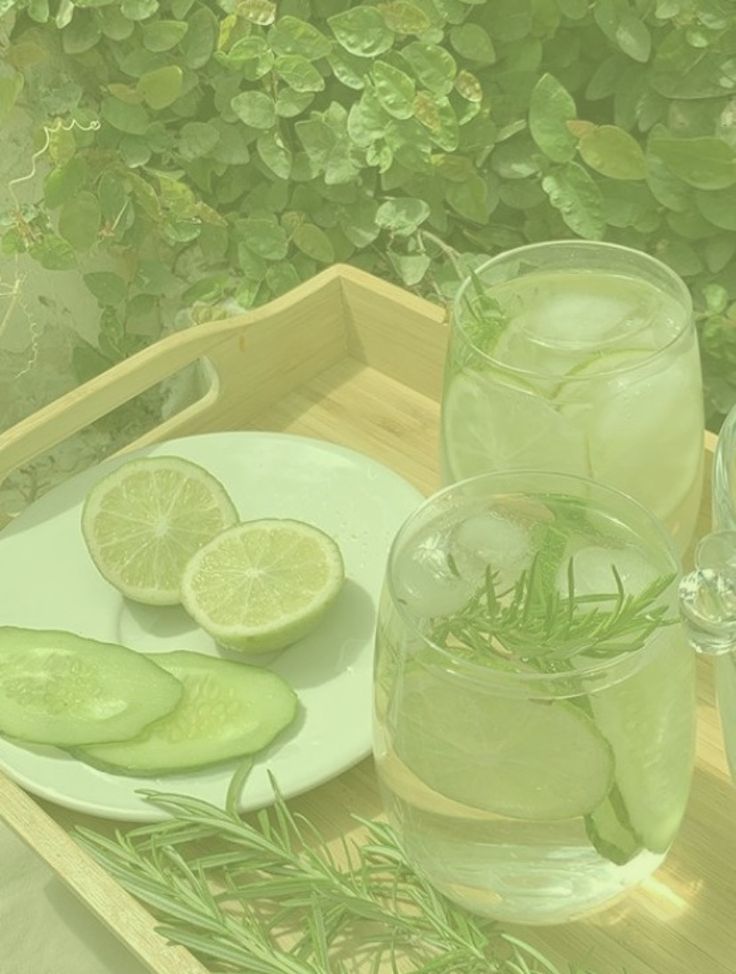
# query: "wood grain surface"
358,362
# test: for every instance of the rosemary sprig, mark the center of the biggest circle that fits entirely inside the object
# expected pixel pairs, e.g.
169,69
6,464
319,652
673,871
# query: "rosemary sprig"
271,898
530,621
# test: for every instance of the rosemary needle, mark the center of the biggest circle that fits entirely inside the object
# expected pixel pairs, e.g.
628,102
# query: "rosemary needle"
270,897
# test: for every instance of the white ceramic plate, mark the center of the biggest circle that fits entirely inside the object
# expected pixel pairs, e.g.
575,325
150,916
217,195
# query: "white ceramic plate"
48,581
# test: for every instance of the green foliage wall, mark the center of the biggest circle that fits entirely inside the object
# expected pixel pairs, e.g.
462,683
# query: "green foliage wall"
220,152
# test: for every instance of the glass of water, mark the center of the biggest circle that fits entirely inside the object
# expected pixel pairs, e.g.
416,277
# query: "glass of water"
534,698
578,357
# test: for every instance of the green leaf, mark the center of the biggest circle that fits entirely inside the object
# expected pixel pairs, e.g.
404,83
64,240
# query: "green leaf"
264,238
299,73
180,8
681,257
362,31
138,9
411,268
470,198
87,362
114,25
574,193
64,182
82,33
251,265
290,103
613,152
633,37
161,87
290,35
255,108
705,163
718,207
200,41
318,139
551,107
112,196
508,20
404,18
395,90
281,278
10,87
232,147
124,117
197,139
79,220
367,120
682,71
54,253
108,288
262,12
574,9
359,223
472,42
313,242
162,35
348,68
275,154
402,216
434,67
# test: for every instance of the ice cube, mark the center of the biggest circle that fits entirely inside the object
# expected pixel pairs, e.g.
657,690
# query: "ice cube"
491,539
594,575
426,579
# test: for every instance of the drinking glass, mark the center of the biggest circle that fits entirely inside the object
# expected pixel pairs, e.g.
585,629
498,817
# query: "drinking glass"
578,357
534,696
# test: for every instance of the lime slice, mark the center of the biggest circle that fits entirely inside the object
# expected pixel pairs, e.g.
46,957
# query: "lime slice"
144,521
264,584
649,721
488,425
527,759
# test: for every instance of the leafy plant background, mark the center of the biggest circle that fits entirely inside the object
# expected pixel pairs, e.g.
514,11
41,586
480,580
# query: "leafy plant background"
189,159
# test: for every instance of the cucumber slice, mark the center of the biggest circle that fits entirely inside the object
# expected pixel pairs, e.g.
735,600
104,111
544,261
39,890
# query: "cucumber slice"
227,710
649,721
60,688
610,832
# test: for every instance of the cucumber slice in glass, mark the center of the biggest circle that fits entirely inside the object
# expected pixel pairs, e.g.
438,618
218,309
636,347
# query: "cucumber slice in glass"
227,710
63,689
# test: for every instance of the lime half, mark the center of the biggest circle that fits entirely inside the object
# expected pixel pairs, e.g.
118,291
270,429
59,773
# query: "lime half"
264,584
489,425
526,759
144,521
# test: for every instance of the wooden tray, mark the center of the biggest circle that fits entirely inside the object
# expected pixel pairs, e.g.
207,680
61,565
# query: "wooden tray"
356,361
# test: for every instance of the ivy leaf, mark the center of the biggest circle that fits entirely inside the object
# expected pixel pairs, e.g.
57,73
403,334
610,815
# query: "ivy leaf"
232,145
402,216
82,33
114,25
575,194
472,42
112,196
313,242
124,117
290,35
281,278
275,154
54,253
633,37
551,107
262,12
200,41
162,35
359,223
79,220
197,139
64,182
434,67
348,68
404,18
395,90
161,87
411,268
318,139
138,9
299,73
367,120
108,288
264,238
470,198
705,163
718,207
613,152
255,108
362,31
290,103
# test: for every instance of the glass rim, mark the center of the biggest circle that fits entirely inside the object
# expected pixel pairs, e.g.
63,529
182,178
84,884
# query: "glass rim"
684,296
505,678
